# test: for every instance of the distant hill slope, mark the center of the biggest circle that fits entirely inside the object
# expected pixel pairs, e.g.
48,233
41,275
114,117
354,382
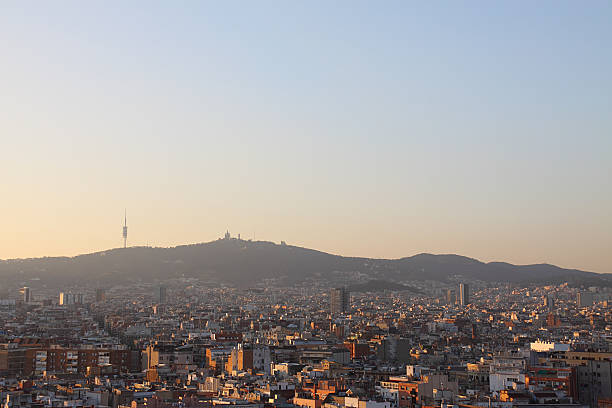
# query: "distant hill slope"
245,263
377,285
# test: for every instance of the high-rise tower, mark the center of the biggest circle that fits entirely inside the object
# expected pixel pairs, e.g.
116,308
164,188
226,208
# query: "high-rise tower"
339,301
451,296
549,302
100,295
26,294
159,294
464,294
125,230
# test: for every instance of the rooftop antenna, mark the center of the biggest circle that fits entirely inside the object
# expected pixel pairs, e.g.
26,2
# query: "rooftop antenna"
125,230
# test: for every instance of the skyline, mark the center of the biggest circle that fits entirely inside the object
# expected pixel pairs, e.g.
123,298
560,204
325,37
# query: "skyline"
238,236
379,131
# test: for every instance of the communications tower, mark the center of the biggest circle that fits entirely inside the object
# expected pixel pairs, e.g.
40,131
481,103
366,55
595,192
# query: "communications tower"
125,230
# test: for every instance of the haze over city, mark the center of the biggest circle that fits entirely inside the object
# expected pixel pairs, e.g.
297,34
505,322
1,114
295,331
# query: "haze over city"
360,129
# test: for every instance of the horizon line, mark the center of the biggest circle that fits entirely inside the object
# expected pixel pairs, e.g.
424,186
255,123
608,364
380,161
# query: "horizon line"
288,245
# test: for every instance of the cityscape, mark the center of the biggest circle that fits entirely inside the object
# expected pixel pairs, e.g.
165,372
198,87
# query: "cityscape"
191,343
305,204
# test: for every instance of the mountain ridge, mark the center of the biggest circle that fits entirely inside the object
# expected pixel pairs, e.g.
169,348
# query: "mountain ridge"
240,262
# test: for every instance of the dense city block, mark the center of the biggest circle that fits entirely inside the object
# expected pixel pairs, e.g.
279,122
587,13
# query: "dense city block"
188,343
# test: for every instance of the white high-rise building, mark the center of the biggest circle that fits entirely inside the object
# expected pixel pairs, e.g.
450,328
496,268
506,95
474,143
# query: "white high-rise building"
26,294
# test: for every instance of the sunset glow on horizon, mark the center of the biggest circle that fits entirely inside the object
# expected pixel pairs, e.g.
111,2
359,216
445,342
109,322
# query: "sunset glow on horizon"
487,132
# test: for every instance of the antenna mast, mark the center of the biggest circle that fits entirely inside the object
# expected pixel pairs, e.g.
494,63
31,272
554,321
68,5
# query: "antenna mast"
125,230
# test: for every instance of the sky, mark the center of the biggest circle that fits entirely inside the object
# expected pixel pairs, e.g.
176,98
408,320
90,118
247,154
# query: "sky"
360,128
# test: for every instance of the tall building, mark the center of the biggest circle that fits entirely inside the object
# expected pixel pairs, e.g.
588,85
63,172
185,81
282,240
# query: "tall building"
70,298
26,294
549,303
585,299
66,299
451,296
464,294
100,295
159,296
339,300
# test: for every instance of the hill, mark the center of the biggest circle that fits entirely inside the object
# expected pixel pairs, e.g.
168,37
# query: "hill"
377,285
244,263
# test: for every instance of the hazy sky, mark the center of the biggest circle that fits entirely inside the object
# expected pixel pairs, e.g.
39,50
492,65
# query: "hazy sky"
378,129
